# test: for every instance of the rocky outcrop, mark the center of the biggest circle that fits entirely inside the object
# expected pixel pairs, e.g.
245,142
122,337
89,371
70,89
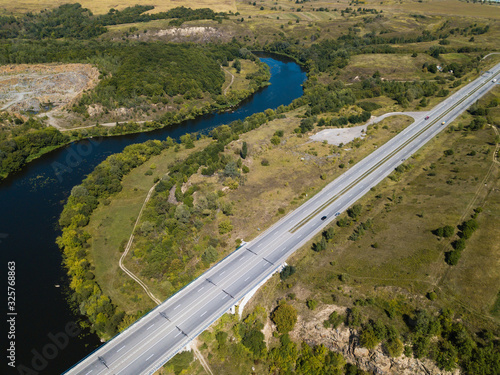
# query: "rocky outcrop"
41,87
345,340
196,34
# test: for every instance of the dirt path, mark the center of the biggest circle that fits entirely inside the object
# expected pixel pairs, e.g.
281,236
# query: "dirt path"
232,80
129,245
489,54
197,353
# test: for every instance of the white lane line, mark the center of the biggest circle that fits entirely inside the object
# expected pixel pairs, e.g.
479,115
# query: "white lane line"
265,264
203,314
121,348
151,326
247,278
223,297
176,307
220,274
89,372
177,335
199,290
149,356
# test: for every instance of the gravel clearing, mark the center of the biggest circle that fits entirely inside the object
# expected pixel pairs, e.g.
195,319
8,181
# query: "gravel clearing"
340,135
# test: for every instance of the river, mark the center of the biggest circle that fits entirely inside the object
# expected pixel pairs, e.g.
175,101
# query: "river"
30,204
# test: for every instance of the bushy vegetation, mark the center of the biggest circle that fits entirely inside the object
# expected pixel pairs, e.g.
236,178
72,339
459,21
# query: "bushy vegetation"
467,228
25,142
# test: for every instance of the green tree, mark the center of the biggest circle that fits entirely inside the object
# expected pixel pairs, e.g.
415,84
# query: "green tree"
367,337
275,140
254,340
312,304
231,169
329,234
353,318
286,272
244,150
210,255
284,356
237,65
355,211
181,361
225,227
446,356
221,338
335,319
285,317
394,347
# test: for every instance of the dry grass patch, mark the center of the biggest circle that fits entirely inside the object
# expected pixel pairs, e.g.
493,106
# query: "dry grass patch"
391,67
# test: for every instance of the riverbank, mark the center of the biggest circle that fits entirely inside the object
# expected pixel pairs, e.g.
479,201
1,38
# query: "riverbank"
242,88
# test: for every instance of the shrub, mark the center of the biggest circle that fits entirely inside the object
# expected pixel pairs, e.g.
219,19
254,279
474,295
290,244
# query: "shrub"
335,319
275,140
225,227
312,304
287,272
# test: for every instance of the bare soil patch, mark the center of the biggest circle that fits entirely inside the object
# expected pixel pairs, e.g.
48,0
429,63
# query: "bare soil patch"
38,88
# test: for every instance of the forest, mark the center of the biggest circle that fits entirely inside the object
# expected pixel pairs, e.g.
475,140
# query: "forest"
73,21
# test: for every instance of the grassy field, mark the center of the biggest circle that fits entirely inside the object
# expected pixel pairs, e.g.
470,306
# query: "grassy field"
101,7
112,224
391,67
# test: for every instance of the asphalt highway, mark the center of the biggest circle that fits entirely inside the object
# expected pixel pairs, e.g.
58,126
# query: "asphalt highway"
150,342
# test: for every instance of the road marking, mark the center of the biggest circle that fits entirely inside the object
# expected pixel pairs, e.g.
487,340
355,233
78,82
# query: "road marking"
149,356
220,274
89,372
224,296
121,348
247,278
265,264
203,314
176,307
150,326
177,335
199,290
